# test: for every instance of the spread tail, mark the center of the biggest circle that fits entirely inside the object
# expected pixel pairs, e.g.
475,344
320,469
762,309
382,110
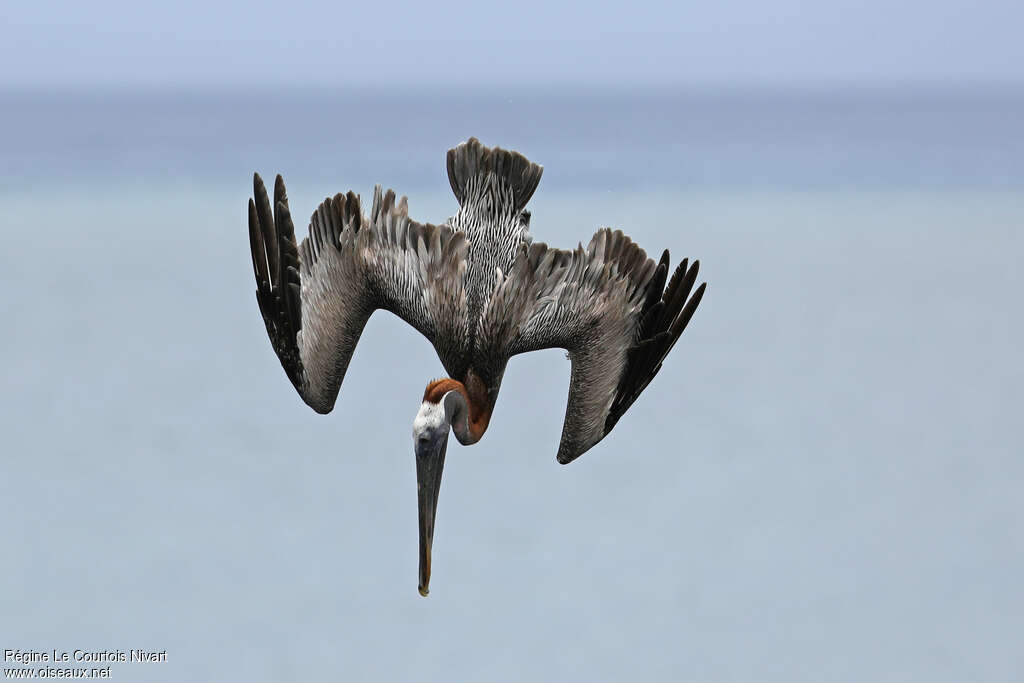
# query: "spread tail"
471,164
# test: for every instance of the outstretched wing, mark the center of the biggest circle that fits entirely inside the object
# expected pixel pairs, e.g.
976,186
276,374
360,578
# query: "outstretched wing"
609,308
316,297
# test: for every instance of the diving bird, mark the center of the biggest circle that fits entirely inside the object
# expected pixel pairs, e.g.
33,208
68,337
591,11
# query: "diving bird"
481,290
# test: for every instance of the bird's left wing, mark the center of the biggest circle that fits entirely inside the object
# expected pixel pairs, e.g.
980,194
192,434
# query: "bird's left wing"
609,308
316,297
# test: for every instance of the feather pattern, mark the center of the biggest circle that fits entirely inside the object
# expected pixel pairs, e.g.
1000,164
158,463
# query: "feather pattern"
477,287
592,302
316,298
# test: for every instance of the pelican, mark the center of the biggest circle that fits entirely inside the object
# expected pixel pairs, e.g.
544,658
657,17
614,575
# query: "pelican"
481,290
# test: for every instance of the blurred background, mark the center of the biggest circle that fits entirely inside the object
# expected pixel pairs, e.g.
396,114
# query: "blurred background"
823,483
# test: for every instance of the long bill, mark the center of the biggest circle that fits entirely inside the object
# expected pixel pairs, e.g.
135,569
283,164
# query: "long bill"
429,464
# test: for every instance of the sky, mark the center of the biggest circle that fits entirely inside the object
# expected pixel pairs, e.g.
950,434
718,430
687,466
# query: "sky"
786,42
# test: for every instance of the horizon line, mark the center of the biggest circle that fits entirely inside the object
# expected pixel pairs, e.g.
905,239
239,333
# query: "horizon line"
578,86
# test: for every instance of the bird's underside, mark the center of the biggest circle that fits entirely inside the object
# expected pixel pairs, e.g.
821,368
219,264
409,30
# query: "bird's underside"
476,286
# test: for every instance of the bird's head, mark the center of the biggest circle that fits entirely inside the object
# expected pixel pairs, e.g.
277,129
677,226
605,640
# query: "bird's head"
446,406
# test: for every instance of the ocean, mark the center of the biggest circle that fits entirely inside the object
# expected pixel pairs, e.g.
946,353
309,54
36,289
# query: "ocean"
822,484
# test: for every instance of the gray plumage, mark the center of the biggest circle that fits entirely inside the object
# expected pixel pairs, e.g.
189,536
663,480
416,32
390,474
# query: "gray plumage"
477,287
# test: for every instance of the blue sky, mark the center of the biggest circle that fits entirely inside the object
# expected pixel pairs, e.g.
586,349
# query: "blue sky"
785,42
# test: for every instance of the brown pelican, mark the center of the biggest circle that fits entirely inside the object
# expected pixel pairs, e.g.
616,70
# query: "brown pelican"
480,290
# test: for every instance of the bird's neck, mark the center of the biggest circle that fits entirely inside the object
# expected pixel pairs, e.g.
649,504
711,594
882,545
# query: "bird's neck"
467,406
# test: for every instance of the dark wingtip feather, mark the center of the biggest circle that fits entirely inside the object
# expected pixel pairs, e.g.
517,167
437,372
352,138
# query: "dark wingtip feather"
258,251
686,314
280,194
657,284
666,313
285,226
265,216
275,264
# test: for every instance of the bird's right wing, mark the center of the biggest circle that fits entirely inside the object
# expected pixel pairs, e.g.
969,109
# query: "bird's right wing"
316,297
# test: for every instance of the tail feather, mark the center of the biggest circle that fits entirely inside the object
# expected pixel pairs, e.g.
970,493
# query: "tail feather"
471,162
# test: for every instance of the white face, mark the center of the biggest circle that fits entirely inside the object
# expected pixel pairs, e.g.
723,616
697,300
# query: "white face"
429,419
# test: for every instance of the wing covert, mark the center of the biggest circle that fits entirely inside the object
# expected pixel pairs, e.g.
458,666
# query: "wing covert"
609,308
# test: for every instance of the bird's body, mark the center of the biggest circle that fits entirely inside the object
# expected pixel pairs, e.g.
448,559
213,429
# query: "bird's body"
480,290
